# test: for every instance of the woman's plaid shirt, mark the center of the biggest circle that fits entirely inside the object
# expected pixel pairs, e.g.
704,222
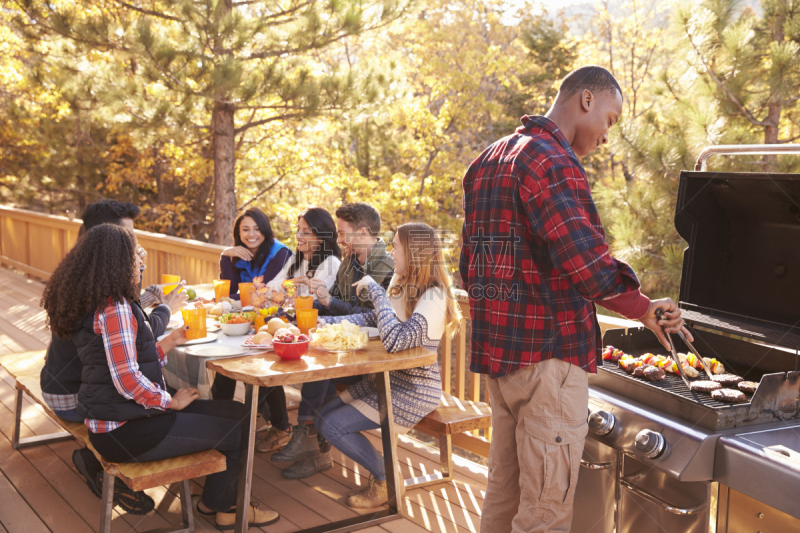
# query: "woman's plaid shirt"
534,255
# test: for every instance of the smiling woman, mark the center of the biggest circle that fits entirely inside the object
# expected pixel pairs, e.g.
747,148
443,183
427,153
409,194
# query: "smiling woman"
255,253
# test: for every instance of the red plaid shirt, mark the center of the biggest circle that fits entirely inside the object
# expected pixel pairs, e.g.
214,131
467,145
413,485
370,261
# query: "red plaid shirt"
534,255
118,327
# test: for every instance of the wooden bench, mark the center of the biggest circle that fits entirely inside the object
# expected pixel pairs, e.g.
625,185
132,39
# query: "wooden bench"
25,368
453,416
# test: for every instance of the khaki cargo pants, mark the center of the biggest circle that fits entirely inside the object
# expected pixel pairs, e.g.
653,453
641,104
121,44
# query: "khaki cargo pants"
538,429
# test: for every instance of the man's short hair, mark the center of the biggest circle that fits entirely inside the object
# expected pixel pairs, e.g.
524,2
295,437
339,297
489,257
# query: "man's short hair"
108,212
361,215
591,77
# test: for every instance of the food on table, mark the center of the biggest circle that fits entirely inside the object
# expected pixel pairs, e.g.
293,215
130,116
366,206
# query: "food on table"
231,301
263,329
704,386
275,324
727,380
287,337
612,354
295,330
747,386
262,338
342,336
728,396
191,294
654,373
234,318
281,332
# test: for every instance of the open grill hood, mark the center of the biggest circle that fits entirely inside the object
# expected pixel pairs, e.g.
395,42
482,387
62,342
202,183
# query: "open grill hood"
741,270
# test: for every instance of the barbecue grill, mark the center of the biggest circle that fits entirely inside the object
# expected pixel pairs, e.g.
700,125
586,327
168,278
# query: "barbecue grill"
665,458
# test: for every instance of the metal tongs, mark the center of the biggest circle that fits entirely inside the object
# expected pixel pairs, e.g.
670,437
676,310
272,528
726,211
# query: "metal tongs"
675,358
697,354
659,314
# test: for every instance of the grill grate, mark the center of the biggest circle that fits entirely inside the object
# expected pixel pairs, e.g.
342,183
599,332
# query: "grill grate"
673,384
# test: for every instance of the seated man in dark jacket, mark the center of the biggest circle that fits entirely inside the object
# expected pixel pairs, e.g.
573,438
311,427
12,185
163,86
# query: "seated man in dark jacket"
61,376
363,254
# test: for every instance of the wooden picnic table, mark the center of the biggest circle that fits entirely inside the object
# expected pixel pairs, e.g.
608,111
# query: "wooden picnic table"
269,370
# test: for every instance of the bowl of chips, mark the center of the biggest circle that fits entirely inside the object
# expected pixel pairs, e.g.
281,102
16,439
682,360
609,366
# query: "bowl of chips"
338,338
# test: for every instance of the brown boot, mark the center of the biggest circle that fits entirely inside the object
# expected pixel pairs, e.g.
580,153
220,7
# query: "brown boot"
256,518
373,495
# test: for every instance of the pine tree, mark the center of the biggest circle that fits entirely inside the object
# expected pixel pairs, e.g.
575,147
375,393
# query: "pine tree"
211,70
732,78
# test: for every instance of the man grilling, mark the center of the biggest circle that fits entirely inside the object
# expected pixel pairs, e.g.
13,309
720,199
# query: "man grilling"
534,262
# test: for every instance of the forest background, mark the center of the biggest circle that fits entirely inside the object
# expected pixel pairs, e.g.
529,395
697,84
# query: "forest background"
198,109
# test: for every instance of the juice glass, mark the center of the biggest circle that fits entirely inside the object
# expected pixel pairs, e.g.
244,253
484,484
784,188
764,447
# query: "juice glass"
196,320
303,302
222,288
244,293
306,319
170,278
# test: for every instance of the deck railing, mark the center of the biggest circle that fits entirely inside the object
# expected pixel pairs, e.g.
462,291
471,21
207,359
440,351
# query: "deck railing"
35,243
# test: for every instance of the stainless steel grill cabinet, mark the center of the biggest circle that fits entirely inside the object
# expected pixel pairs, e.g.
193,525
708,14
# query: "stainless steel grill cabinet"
661,457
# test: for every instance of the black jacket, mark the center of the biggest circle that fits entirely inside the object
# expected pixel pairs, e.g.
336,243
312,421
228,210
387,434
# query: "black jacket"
98,398
62,367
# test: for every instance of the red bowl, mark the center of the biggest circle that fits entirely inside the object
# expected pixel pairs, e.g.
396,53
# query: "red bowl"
291,351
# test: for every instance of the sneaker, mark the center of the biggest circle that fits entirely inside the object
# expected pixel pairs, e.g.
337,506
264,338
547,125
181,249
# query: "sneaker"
309,466
132,502
256,518
261,424
302,444
274,439
373,495
89,467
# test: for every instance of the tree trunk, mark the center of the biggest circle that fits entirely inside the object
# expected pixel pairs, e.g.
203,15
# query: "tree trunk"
224,172
164,184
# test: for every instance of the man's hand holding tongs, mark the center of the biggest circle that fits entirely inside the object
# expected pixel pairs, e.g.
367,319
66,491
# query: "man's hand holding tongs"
671,320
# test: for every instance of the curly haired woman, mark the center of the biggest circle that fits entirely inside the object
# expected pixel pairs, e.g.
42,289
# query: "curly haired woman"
91,298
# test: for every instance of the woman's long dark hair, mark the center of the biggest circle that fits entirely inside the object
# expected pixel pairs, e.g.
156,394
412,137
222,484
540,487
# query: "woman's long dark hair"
264,227
101,265
323,227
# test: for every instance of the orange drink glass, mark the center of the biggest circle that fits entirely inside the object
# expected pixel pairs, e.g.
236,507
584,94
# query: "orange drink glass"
222,288
196,320
306,319
244,293
170,278
260,322
303,302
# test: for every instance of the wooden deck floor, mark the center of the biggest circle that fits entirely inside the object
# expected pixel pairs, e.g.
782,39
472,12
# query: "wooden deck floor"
41,491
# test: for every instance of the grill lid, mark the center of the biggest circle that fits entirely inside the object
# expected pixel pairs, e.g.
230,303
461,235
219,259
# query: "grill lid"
741,271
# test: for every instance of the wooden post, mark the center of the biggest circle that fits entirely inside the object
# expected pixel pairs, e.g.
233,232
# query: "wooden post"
446,369
461,358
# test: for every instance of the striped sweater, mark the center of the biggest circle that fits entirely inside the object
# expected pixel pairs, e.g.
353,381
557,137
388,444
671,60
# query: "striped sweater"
415,391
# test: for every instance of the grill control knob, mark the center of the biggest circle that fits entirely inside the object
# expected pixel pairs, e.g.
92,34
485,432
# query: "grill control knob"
650,443
601,422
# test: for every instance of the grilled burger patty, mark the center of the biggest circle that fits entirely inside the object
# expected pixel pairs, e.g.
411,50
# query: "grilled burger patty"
727,380
747,386
704,386
728,396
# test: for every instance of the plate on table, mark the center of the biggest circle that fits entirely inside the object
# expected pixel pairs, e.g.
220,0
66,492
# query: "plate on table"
248,343
172,324
372,333
337,350
216,351
211,337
